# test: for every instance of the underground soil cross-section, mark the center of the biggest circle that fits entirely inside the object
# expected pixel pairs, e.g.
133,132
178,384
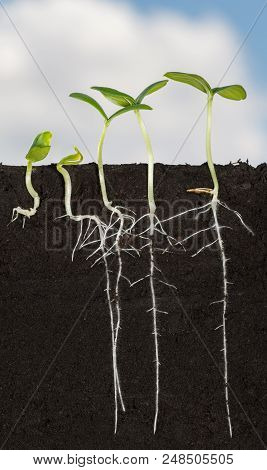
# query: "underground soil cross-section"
56,352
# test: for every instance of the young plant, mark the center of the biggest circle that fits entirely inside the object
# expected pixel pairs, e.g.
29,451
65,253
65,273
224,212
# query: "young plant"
231,92
76,159
38,151
121,217
123,100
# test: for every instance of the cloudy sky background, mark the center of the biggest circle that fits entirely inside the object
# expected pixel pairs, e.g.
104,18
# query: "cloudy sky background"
128,45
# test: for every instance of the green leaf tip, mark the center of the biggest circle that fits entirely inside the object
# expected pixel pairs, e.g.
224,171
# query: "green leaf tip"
40,147
151,89
91,101
190,79
231,92
74,159
115,96
126,109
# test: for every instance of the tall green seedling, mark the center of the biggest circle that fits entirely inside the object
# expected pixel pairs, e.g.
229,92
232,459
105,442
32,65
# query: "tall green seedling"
236,93
121,218
123,100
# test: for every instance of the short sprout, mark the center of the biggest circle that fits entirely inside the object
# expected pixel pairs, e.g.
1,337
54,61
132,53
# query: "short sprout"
38,151
74,159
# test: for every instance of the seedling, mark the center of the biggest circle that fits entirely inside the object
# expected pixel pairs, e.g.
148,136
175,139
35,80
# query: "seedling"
76,159
237,93
38,151
122,99
121,217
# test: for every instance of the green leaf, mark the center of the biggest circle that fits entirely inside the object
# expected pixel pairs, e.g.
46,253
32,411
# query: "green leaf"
117,97
91,101
190,79
74,159
134,107
151,89
231,92
40,147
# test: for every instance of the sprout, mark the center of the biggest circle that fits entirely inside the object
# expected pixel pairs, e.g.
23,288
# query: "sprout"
74,159
38,151
122,99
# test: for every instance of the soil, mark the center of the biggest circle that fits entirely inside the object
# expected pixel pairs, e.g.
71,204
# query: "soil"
56,364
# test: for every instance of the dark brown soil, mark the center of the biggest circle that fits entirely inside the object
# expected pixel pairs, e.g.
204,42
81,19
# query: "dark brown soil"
56,364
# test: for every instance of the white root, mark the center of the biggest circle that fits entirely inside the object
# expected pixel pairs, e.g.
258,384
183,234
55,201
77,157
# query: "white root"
167,284
114,329
217,302
117,299
155,331
77,241
115,248
81,218
103,231
116,325
153,221
204,247
26,213
238,216
116,380
217,229
131,284
225,297
197,233
194,209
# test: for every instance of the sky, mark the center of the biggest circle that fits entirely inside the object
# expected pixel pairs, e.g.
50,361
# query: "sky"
51,48
239,14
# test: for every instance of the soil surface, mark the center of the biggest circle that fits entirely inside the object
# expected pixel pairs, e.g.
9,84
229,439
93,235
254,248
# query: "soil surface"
56,363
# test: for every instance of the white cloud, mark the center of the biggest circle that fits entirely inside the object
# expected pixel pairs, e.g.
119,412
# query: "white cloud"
93,42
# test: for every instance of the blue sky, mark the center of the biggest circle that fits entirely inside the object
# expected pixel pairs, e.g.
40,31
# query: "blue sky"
127,44
239,13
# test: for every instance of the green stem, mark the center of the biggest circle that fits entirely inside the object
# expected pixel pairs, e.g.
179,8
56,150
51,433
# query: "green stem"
100,167
150,180
67,181
208,149
29,186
